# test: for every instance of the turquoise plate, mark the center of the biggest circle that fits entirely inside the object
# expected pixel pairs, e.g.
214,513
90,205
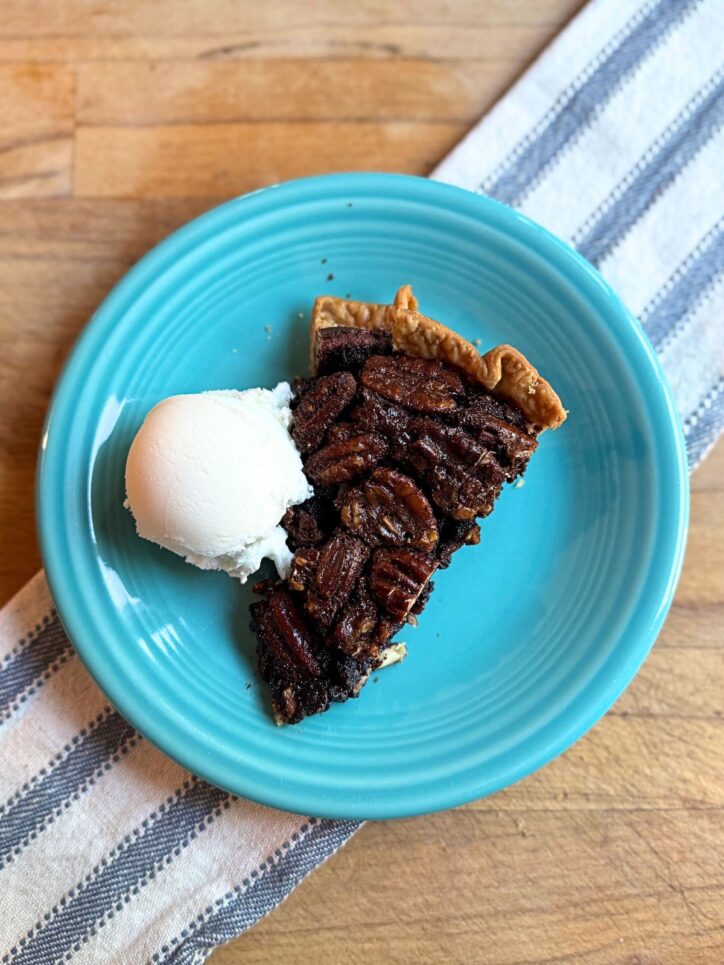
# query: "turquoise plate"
529,637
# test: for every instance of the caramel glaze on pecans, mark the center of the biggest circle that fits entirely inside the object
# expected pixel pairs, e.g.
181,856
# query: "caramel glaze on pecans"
404,454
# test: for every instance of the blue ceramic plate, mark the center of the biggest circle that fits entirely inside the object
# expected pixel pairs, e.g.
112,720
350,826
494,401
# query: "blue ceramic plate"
528,638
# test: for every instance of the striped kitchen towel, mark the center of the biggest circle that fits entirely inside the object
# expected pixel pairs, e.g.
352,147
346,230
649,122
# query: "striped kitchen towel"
110,852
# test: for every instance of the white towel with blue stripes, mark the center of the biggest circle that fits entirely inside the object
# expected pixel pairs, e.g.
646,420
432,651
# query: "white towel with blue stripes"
110,852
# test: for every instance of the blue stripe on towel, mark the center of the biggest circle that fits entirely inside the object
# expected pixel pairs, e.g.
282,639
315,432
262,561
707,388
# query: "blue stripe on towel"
92,752
690,283
704,426
32,664
257,895
121,875
694,127
581,104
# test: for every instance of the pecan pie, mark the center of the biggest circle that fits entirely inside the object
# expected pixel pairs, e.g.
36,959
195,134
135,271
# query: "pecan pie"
408,435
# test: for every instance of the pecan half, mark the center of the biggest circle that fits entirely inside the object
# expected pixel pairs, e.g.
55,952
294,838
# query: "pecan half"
320,402
308,523
375,414
397,578
482,404
340,562
293,630
513,446
425,385
343,348
354,630
390,508
281,627
464,477
343,461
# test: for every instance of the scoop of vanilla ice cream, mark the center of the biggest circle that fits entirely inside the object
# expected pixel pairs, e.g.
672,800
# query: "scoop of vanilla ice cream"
209,476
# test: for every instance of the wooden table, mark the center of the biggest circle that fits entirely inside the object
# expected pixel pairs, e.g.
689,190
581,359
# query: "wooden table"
118,122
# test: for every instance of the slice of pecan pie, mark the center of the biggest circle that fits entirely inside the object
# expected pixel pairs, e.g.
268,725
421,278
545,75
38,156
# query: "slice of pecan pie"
408,434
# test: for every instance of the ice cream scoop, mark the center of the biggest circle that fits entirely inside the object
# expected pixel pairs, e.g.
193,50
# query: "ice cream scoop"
210,475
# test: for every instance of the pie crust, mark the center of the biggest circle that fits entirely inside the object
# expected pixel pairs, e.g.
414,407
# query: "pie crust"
502,370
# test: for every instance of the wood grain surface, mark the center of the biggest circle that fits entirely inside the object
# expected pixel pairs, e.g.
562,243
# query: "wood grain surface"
121,120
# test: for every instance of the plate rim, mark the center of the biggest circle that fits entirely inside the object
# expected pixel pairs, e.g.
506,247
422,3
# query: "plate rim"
553,249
